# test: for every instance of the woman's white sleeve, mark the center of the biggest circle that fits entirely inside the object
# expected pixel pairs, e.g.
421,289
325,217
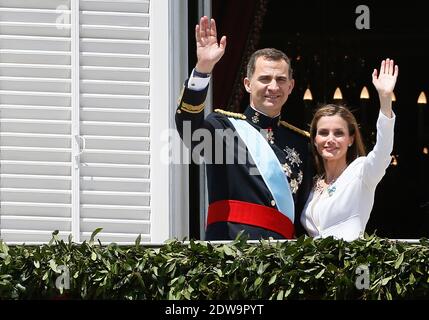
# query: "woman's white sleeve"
379,158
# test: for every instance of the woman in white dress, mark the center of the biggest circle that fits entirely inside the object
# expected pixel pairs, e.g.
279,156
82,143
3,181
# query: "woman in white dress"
343,193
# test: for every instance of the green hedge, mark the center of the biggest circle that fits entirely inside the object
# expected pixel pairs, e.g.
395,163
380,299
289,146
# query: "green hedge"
302,269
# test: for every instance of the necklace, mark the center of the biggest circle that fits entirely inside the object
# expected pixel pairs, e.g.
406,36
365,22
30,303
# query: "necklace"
320,185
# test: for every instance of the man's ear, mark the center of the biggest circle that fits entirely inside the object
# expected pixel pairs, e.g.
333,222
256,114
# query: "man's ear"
246,82
291,85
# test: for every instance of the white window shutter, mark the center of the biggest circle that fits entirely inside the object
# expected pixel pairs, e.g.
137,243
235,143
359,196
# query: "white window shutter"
114,112
69,79
35,120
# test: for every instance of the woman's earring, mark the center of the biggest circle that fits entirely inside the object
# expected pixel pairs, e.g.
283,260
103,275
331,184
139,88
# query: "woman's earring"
350,145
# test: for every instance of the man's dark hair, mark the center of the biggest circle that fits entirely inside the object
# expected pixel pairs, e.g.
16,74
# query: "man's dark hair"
269,54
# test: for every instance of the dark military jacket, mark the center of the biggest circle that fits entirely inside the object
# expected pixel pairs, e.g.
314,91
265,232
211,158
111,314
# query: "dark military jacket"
233,181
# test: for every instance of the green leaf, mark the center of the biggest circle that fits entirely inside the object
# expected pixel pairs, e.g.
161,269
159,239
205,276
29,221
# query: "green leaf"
386,280
288,291
172,296
54,237
398,288
37,264
20,287
258,282
412,279
171,267
187,295
181,280
4,248
155,271
261,268
399,261
138,240
320,273
388,295
93,256
228,250
280,295
93,234
53,265
173,281
272,279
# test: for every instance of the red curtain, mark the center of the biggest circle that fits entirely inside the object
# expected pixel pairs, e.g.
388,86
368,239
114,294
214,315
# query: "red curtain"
241,21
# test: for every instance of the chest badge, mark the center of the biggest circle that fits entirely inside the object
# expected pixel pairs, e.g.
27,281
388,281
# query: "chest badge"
270,135
293,156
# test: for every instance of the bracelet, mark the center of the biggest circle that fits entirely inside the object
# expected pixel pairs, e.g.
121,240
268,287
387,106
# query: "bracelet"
200,74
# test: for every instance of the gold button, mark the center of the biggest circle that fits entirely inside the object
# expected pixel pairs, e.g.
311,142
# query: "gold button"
273,203
179,111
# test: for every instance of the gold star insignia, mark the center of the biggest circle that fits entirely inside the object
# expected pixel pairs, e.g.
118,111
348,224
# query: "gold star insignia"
294,185
293,156
287,169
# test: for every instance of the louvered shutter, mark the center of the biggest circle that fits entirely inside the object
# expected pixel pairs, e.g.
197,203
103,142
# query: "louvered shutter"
76,82
114,113
35,120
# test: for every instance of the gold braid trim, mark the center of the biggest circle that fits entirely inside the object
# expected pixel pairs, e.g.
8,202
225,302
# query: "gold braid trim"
231,114
293,128
186,106
190,108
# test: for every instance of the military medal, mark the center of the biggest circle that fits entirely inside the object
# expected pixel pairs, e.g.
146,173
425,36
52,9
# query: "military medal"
270,135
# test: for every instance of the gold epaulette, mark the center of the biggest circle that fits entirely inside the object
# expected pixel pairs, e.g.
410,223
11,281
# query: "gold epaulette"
293,128
231,114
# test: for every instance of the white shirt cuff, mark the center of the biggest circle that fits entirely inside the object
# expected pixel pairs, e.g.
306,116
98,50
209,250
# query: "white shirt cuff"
197,83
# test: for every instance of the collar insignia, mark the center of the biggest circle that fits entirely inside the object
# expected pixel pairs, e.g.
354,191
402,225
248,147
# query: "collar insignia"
255,118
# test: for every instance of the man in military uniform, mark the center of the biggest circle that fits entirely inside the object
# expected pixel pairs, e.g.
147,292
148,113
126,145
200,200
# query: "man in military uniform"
256,163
